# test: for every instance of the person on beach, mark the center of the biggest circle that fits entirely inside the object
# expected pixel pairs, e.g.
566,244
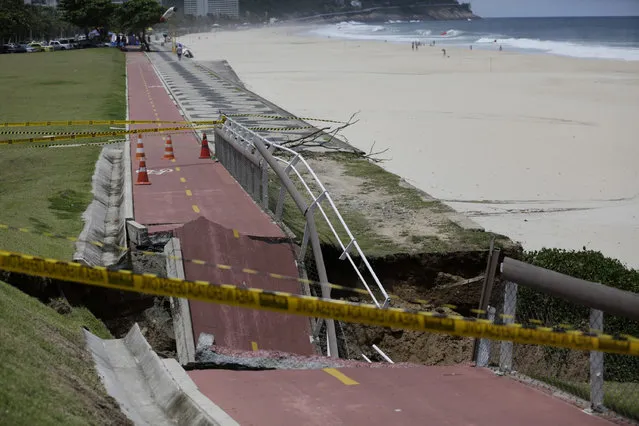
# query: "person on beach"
179,51
412,45
444,53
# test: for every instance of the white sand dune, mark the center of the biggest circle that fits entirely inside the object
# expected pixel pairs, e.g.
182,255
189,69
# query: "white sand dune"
543,149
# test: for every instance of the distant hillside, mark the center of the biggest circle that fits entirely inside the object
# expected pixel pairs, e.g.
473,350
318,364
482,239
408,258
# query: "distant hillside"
362,10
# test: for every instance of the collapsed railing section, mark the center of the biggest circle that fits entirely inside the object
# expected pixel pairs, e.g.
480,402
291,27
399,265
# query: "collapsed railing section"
269,172
316,194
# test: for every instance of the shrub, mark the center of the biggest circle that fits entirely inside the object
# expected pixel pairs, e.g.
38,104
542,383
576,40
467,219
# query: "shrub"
591,266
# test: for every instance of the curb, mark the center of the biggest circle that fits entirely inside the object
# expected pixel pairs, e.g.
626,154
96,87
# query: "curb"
161,383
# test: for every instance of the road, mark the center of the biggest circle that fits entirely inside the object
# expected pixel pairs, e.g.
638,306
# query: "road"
188,188
438,396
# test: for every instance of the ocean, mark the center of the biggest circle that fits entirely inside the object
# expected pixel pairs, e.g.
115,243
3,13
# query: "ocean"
602,38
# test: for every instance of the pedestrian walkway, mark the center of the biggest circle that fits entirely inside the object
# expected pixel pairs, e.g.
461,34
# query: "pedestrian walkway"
416,396
187,188
203,94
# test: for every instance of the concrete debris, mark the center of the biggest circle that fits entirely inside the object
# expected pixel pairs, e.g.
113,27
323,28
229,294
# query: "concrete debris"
204,342
224,358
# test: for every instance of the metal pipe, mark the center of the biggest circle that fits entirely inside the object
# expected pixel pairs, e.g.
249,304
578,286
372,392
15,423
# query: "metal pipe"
312,231
379,351
593,295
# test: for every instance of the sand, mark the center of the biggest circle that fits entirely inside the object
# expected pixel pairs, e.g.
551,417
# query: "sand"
541,148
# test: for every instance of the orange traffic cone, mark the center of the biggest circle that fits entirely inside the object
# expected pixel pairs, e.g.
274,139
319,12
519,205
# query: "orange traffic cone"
205,152
168,149
139,150
143,175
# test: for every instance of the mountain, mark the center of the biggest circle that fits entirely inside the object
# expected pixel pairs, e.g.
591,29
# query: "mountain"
359,10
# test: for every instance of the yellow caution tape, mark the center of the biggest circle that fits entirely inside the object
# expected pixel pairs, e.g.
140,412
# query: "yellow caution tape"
90,135
102,123
71,123
279,129
284,117
114,248
312,307
120,249
65,145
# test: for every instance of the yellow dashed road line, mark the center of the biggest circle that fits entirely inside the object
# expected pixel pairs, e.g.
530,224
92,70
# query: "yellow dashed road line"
341,376
195,208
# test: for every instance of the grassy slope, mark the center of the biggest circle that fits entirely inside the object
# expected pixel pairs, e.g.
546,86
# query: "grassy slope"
47,377
44,189
371,242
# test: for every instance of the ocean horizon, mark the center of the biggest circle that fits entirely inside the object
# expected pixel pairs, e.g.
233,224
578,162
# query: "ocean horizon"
579,37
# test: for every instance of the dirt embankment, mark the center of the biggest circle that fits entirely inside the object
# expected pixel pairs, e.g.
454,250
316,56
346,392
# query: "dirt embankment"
448,283
118,310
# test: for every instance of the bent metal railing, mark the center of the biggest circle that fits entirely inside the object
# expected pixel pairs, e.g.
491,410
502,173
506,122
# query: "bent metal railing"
244,137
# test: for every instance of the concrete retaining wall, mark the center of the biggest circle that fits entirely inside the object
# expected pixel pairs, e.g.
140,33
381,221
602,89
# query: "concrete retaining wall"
104,218
180,310
151,390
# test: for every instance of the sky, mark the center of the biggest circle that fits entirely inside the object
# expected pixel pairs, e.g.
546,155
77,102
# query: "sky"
537,8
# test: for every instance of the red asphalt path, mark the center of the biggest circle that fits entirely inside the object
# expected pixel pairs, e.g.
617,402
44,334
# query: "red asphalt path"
251,329
189,188
437,396
166,202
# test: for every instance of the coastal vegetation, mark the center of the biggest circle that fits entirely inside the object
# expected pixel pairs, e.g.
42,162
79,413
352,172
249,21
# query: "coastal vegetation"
316,7
568,369
21,22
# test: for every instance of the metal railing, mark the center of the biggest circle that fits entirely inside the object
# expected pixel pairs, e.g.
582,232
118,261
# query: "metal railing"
293,161
533,296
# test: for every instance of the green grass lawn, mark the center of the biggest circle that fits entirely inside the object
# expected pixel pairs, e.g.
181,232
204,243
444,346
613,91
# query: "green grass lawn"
622,398
47,376
46,189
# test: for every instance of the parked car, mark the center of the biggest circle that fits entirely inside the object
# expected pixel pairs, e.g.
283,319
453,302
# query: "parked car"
12,48
39,47
56,45
66,43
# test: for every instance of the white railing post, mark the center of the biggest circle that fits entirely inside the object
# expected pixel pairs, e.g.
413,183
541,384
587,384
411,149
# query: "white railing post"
510,310
483,353
596,365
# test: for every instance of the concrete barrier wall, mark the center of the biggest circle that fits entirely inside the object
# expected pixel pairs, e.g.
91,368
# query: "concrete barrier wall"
180,310
151,390
104,218
244,166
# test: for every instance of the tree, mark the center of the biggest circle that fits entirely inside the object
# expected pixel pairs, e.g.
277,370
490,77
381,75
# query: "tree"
14,16
87,14
135,16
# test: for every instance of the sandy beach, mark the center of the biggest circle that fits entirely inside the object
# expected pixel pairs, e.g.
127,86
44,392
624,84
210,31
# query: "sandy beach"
541,148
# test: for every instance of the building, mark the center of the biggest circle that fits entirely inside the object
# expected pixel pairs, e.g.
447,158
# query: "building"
195,7
49,3
212,7
224,8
